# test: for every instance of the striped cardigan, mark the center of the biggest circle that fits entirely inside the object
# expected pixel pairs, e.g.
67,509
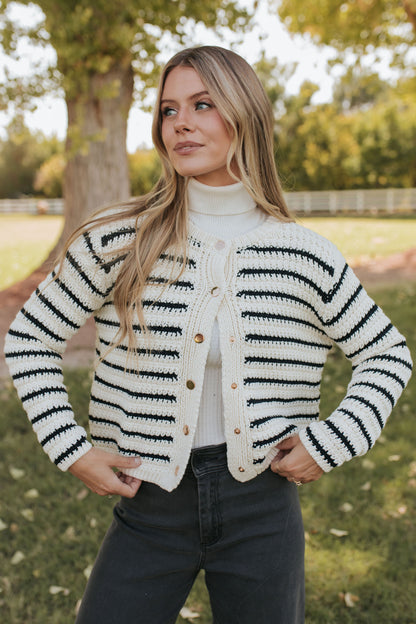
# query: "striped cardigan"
282,294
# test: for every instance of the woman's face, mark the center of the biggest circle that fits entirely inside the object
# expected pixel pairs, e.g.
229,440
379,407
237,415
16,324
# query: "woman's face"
193,132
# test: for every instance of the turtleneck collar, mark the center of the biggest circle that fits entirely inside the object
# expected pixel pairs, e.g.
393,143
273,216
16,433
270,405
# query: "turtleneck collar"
219,200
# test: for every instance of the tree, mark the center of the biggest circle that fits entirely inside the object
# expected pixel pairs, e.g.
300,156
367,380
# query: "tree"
22,152
100,47
359,25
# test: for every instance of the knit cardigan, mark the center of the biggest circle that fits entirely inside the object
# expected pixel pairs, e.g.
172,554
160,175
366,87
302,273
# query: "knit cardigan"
282,294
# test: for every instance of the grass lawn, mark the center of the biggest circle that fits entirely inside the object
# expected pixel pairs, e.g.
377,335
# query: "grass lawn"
51,526
26,240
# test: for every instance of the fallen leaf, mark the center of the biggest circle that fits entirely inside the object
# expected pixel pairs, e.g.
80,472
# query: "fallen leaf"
412,469
87,571
17,557
338,532
368,464
82,494
14,527
188,614
366,487
394,458
70,533
93,523
33,493
346,507
57,589
28,514
3,525
16,473
349,599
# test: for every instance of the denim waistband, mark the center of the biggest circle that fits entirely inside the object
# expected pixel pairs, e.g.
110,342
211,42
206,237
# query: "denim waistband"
207,459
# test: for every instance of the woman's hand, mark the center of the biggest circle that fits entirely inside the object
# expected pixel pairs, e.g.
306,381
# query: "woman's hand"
294,462
95,469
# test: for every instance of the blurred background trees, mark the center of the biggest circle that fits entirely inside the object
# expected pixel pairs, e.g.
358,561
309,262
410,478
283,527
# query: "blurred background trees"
363,137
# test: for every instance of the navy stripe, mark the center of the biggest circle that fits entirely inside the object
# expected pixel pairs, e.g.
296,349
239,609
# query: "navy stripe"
142,373
279,317
283,382
357,422
51,412
292,252
329,297
37,372
386,373
153,396
252,359
341,436
55,310
70,451
109,238
378,337
153,279
276,438
132,434
57,432
130,452
376,387
359,325
32,353
392,358
189,261
37,323
157,329
345,307
92,287
264,338
281,400
261,421
47,390
169,305
135,415
370,405
171,353
285,273
320,448
280,296
71,295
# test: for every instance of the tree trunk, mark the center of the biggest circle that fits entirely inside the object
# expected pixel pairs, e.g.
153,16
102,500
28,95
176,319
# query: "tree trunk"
96,173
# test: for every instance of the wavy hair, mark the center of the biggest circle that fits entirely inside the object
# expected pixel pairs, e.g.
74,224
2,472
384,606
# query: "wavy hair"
242,102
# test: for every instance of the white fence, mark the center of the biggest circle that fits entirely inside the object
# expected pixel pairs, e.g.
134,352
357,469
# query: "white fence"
379,201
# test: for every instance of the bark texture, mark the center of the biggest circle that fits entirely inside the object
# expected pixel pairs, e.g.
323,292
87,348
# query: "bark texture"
97,167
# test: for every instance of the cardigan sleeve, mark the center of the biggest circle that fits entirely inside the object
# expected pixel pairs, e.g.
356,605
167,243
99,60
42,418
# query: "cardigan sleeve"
381,368
37,339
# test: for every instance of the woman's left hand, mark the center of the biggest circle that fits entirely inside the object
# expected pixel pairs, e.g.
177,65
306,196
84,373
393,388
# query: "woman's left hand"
294,462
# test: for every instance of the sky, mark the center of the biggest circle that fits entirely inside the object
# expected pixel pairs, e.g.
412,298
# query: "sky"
268,34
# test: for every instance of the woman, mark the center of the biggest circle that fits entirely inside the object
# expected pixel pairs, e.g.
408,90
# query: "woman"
214,313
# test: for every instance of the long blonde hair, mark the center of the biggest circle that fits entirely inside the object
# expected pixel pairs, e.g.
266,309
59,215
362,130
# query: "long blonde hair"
242,102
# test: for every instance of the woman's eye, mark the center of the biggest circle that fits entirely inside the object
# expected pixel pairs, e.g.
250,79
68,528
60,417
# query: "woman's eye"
202,105
168,111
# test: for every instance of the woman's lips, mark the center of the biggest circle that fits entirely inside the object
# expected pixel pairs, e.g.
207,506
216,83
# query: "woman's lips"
186,147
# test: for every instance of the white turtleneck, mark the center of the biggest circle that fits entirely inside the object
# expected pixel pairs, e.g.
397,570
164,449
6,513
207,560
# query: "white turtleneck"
226,212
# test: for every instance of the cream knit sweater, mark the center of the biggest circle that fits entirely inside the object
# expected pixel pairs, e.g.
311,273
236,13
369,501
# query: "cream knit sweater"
281,295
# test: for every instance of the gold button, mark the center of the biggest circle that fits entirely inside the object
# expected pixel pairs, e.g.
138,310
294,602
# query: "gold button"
215,291
199,338
241,469
237,430
186,430
232,338
190,384
233,385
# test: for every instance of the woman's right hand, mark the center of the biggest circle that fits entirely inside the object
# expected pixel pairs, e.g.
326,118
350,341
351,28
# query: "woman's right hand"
95,469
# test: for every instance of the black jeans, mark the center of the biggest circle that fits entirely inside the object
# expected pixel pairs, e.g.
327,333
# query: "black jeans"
248,537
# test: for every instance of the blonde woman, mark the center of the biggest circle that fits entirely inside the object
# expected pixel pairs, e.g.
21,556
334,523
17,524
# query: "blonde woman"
215,313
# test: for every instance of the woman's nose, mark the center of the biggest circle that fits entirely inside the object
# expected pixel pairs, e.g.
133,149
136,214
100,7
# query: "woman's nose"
183,121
